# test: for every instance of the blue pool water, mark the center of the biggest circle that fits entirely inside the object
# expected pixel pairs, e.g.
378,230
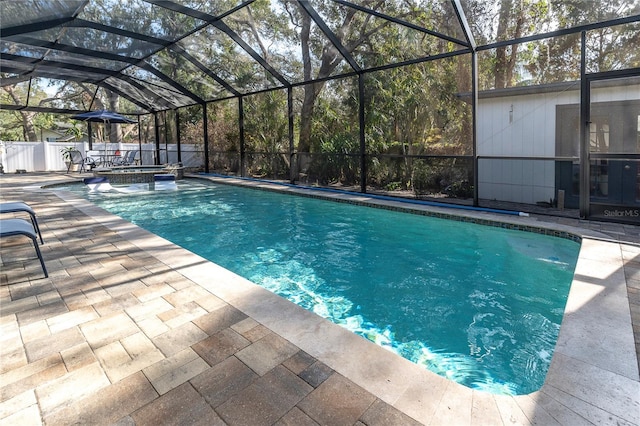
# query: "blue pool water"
476,304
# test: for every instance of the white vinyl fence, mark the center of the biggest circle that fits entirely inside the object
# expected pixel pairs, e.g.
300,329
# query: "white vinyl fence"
47,156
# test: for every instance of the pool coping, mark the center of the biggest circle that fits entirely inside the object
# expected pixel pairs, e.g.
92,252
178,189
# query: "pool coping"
593,377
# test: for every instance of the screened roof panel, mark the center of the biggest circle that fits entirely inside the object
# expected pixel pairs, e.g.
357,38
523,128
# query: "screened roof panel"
102,41
490,23
163,54
176,94
16,92
187,74
64,70
30,11
218,52
140,16
9,78
267,28
433,15
128,106
72,58
358,37
22,44
214,8
27,71
123,103
140,93
7,46
556,62
73,75
393,43
68,94
26,50
21,67
325,59
50,35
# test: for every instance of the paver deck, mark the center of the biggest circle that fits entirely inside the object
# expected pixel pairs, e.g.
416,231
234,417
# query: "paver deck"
131,329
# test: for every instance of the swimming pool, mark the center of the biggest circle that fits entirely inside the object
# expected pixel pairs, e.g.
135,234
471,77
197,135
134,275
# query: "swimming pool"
479,305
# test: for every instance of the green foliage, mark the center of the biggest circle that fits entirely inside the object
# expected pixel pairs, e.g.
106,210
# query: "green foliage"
556,58
426,179
223,126
11,129
266,122
23,125
442,176
191,125
337,160
394,186
266,128
66,153
460,189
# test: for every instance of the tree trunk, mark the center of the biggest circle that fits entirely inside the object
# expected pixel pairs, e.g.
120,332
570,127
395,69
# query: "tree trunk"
329,61
28,129
500,69
115,130
306,114
506,64
511,64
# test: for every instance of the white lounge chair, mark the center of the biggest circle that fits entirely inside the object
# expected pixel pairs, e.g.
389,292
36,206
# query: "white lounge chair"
13,227
16,207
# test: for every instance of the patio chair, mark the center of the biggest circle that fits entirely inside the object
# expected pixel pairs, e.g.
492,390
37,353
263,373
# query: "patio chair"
130,157
93,158
77,158
16,207
127,159
13,227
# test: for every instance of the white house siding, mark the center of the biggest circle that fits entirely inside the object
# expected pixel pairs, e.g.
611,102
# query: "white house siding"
529,132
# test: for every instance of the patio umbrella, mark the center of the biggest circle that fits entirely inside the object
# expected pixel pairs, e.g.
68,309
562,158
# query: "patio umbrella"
102,116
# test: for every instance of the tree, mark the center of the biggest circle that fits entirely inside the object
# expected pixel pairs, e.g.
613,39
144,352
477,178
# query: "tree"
23,125
555,58
266,131
352,31
515,19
